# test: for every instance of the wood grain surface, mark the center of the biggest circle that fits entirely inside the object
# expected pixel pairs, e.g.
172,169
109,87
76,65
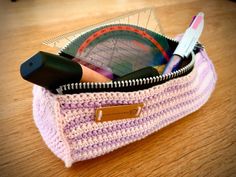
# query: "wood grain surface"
201,144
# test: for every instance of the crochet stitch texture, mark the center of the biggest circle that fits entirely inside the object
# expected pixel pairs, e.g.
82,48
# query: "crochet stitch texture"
67,122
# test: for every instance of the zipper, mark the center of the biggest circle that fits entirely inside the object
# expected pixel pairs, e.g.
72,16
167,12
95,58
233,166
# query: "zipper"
129,85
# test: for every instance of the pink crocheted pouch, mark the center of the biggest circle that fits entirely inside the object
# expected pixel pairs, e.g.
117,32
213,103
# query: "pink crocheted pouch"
67,122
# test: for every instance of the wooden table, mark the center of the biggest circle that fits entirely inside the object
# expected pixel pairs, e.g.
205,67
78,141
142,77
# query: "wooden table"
201,144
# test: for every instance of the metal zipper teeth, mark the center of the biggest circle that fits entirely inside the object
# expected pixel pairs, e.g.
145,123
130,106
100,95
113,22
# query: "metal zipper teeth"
126,83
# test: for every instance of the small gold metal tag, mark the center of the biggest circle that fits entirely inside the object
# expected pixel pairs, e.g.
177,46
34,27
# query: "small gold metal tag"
118,112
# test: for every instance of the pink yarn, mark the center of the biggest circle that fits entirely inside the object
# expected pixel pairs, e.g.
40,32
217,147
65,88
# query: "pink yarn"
68,127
